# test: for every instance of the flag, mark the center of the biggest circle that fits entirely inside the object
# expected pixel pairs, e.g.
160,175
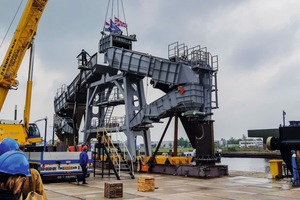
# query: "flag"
107,27
117,21
114,27
120,23
124,25
111,27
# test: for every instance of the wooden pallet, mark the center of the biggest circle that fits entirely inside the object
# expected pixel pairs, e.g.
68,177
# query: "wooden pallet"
113,190
146,184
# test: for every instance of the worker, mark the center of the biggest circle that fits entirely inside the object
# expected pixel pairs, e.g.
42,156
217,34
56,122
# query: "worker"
83,57
8,144
83,161
14,168
37,184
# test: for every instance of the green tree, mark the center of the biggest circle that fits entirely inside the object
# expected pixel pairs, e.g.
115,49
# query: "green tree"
184,142
181,142
233,141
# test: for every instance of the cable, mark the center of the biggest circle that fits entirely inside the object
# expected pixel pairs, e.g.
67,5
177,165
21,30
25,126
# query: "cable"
123,11
124,17
117,14
106,14
112,9
11,24
118,9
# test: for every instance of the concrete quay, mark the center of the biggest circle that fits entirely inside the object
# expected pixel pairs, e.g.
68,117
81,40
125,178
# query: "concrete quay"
236,185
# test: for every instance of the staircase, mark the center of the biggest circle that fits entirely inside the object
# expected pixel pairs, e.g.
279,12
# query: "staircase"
117,156
107,116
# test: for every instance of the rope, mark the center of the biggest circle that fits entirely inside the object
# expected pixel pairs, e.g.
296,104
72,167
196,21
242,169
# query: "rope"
118,9
124,17
11,23
106,14
112,12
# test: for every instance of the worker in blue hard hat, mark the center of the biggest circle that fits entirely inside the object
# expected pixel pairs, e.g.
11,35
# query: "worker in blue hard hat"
14,168
8,144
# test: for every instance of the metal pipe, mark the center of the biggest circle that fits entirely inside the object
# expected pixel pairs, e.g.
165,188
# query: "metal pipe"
16,112
45,134
175,144
277,144
29,87
151,160
45,139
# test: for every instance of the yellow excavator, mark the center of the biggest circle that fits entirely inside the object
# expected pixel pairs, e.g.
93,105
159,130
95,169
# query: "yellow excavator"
24,133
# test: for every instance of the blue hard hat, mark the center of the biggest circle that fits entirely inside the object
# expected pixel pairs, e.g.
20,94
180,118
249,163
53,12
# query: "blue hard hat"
8,144
14,162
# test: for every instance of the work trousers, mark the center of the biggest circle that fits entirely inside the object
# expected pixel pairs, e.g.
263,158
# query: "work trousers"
84,172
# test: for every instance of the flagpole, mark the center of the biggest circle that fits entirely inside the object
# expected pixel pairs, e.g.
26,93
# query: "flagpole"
283,117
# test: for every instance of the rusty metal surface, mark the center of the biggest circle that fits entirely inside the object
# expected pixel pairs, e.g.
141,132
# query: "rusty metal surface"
206,171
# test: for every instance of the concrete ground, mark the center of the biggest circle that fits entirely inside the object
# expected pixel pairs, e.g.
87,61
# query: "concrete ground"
237,185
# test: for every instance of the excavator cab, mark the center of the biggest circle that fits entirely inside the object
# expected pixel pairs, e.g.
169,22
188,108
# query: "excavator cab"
34,135
33,131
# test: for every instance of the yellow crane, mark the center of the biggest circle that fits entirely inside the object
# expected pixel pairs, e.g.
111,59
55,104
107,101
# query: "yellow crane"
22,40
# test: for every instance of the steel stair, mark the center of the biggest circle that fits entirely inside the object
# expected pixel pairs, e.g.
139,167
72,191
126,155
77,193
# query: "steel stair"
117,156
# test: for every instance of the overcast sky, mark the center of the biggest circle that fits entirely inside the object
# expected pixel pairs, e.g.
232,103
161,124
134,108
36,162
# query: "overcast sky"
256,41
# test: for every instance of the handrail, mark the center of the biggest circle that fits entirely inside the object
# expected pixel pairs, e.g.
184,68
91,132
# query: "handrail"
128,152
116,153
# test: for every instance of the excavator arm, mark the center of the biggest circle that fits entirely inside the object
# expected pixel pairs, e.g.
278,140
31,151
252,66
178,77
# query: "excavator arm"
20,42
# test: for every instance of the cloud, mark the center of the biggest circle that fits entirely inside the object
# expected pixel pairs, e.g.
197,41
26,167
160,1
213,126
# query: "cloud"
256,43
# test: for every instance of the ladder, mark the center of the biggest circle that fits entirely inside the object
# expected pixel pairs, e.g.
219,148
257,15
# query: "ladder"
107,115
214,91
118,159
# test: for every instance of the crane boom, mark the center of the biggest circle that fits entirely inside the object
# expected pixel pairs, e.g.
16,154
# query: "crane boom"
24,134
20,42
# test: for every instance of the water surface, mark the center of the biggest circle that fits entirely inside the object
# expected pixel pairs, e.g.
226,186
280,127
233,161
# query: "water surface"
247,164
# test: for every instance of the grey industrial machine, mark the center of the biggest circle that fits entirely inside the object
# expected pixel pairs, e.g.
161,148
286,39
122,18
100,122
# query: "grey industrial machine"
188,79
